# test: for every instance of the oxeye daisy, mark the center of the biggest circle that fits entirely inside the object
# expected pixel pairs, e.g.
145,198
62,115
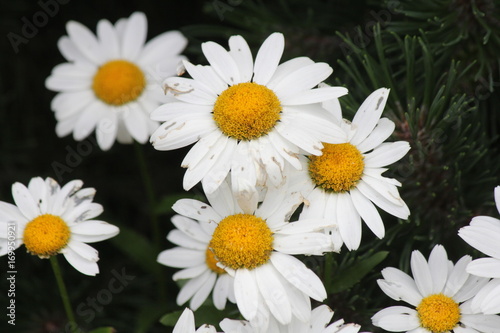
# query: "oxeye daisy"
345,183
248,117
193,255
441,295
483,233
50,220
111,81
319,322
254,244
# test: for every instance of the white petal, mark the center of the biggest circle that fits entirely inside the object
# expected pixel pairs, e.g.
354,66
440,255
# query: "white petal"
368,114
308,243
457,276
486,267
246,293
68,104
207,76
196,210
189,273
134,35
189,91
438,261
181,258
202,294
421,273
240,51
181,239
268,58
286,68
483,234
273,292
106,131
93,231
71,52
295,272
190,228
396,319
84,266
302,79
66,84
223,201
136,123
167,44
380,133
108,38
221,62
487,300
349,221
368,213
85,41
25,201
386,154
482,323
185,323
399,286
221,290
385,200
88,120
315,96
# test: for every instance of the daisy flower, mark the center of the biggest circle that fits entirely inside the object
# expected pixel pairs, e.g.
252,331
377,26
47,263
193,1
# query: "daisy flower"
254,244
440,293
483,234
318,323
111,81
186,324
49,220
193,255
345,183
248,117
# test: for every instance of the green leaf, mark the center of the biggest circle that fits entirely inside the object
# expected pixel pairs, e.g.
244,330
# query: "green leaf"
103,330
170,319
347,278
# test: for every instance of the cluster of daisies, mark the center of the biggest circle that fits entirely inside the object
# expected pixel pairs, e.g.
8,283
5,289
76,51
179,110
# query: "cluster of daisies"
283,173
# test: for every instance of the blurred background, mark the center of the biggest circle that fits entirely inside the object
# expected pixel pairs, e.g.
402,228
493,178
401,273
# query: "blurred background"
440,59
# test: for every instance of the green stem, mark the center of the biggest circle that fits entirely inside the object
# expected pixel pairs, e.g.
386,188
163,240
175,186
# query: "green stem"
328,269
64,293
148,185
155,226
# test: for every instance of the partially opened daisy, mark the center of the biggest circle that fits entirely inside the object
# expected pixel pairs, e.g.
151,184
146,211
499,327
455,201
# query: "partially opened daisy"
111,81
50,220
345,183
483,233
193,255
186,324
254,244
319,322
440,294
250,118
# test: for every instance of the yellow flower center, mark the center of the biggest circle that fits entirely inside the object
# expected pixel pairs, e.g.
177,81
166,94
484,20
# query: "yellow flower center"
247,111
118,82
339,168
438,313
46,235
242,241
212,262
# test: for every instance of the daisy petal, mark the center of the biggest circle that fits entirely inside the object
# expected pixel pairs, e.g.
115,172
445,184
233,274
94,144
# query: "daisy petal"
88,120
399,286
168,43
185,323
380,133
202,293
246,293
438,262
25,201
303,79
386,153
486,267
134,36
93,231
315,96
396,319
85,41
368,213
349,221
106,131
80,263
222,62
274,294
483,234
240,51
108,38
368,114
268,58
181,258
481,323
421,273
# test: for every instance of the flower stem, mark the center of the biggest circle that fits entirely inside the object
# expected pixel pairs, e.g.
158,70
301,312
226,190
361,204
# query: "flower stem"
64,293
155,226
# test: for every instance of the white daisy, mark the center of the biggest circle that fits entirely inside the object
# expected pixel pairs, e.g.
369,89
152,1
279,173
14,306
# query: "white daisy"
195,258
441,293
186,324
111,81
318,323
250,118
49,220
345,183
254,244
483,234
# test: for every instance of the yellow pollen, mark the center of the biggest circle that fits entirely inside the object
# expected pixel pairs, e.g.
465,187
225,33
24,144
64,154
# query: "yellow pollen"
247,111
118,82
212,262
438,313
339,168
242,241
46,235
